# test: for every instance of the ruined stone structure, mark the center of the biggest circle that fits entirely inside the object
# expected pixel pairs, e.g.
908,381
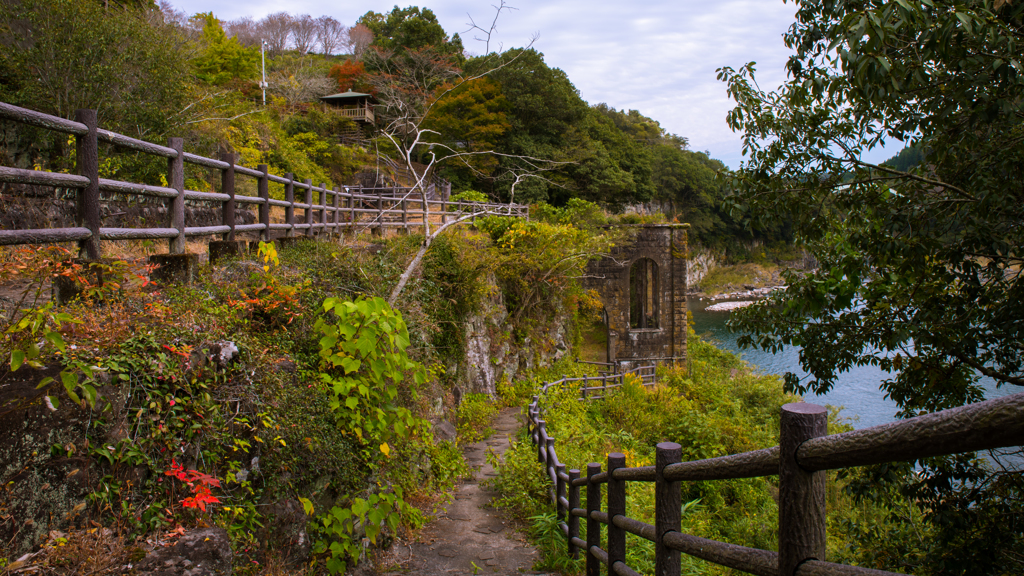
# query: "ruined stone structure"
643,288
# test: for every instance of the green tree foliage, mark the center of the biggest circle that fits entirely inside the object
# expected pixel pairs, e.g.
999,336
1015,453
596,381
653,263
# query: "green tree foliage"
62,55
920,268
906,159
688,185
411,28
608,165
223,59
538,263
543,107
471,119
548,119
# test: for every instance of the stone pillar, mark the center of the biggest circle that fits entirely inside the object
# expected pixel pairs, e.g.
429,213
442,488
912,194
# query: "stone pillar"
221,249
174,268
680,258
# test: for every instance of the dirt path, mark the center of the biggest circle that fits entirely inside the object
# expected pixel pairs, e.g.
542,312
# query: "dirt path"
467,536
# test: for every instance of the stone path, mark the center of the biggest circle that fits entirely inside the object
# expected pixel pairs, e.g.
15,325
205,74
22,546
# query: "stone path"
467,536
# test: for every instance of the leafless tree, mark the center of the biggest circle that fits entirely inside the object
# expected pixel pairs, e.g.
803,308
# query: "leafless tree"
486,38
330,34
304,34
407,88
245,29
191,28
359,39
276,29
173,15
305,84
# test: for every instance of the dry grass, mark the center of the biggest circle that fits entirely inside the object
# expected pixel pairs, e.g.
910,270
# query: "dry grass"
595,343
93,551
725,279
103,551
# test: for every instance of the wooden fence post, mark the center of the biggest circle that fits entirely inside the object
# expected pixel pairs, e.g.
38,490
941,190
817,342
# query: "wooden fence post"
549,466
574,521
405,215
560,492
264,191
87,156
542,442
176,168
534,409
289,210
323,207
309,206
380,210
801,493
593,526
352,212
667,517
616,507
586,384
336,221
227,186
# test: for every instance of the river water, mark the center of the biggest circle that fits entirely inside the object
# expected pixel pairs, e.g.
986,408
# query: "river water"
856,391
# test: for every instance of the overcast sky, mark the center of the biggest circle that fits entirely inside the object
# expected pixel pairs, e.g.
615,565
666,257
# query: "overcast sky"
657,57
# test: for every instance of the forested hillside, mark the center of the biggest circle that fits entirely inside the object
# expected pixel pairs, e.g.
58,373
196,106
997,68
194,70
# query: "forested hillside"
502,124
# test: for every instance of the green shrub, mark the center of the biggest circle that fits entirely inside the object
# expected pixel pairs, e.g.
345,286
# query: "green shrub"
475,414
469,196
717,408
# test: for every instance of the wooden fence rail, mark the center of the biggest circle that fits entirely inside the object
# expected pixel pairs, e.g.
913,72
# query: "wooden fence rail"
804,452
329,210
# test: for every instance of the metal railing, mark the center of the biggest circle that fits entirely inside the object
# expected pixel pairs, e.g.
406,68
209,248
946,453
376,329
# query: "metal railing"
324,209
804,453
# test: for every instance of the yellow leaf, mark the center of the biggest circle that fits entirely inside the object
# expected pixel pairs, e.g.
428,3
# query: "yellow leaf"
385,449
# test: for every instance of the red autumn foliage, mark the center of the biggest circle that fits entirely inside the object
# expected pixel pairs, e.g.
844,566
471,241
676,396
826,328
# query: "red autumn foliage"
350,74
201,492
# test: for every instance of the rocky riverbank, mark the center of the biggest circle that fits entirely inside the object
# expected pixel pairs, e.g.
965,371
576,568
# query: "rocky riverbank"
734,300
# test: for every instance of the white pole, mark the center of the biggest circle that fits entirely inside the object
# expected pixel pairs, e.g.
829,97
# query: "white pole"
263,60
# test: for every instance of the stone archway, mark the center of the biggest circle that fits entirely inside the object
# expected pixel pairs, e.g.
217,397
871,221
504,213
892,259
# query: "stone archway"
643,288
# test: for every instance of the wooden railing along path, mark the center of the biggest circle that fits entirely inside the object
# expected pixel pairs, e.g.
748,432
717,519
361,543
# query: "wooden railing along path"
325,209
804,452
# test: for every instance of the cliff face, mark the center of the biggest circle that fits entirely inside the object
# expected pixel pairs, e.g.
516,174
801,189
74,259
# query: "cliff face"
45,466
701,262
491,352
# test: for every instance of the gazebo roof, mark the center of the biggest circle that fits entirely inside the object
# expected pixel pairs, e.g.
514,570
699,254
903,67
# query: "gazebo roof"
345,96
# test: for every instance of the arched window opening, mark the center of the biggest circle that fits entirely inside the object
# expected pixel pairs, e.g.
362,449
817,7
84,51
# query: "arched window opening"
643,294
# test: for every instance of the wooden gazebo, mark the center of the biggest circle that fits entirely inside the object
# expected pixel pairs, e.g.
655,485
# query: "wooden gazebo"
354,105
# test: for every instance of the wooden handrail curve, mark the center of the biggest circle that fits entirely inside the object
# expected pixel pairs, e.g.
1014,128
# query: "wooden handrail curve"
804,453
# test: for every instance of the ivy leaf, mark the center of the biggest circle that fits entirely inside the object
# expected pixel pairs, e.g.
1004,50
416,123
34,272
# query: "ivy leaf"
350,364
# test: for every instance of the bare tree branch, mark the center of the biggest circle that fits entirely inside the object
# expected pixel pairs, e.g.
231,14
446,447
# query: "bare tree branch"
490,31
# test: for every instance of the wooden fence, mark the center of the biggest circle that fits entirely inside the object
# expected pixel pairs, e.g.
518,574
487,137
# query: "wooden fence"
804,453
325,209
